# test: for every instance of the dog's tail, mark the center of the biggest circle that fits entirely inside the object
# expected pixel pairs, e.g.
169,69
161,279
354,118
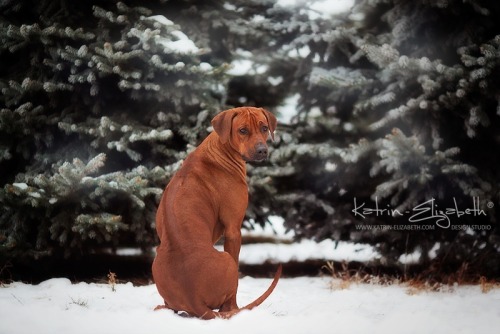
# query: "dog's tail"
256,302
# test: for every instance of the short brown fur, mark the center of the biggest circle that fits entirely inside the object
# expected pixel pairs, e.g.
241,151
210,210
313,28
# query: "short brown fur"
205,200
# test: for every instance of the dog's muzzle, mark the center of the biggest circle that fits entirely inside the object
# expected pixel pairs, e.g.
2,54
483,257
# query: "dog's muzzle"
260,152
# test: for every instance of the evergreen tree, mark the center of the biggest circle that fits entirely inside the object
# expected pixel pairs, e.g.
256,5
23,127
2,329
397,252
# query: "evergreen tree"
398,107
100,103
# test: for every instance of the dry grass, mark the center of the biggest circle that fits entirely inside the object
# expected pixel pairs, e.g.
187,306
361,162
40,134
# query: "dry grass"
344,277
112,281
416,286
431,280
79,302
341,280
488,285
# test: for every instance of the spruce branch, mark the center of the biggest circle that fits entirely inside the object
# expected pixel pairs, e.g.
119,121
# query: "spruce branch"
411,168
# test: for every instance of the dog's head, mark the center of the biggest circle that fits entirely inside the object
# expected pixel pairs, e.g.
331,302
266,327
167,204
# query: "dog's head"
247,130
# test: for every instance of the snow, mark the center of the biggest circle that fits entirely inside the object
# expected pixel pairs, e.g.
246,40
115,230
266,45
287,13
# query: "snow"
327,8
205,67
229,6
182,44
319,8
246,67
275,81
275,228
298,305
22,186
162,20
289,109
306,250
411,258
240,67
327,250
303,52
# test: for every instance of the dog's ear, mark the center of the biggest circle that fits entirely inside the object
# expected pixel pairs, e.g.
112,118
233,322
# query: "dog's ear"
272,121
222,123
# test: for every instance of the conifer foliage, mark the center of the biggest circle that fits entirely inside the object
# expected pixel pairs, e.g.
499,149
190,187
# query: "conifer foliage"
100,103
397,106
398,115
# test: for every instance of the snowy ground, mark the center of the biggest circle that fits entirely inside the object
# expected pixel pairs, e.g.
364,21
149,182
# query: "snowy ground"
327,250
299,305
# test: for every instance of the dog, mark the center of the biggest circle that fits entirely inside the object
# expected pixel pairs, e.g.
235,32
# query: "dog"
205,200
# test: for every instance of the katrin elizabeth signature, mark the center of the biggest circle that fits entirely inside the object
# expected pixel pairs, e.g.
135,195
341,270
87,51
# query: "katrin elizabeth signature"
423,212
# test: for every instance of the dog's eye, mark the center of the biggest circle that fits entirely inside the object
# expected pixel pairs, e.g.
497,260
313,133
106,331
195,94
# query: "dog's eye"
265,129
244,131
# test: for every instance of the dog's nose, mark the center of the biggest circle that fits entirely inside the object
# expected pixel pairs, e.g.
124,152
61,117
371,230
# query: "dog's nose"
261,151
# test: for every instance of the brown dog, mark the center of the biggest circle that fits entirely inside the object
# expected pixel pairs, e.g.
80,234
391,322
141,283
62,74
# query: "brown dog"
207,198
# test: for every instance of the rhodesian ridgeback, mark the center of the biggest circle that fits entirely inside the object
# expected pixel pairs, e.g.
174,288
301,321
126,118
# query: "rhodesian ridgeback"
205,200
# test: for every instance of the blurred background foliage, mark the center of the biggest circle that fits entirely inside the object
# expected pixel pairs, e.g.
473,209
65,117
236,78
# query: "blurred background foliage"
384,104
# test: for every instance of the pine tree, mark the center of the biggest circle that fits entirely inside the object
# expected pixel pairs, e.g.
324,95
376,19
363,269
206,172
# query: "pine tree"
100,103
397,105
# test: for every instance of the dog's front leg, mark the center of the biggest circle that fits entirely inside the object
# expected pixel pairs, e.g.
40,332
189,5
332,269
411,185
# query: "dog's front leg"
232,242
